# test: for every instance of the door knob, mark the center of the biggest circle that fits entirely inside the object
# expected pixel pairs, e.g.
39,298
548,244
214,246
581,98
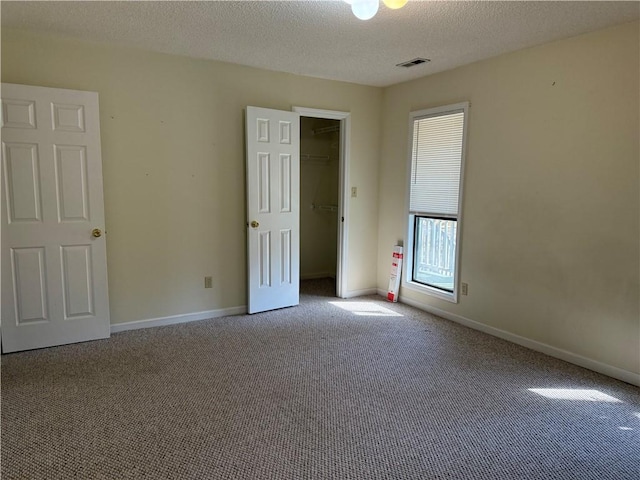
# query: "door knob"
96,232
254,224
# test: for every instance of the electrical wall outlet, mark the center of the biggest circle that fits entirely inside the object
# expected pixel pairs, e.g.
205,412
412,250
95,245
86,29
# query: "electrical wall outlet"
465,289
208,282
354,192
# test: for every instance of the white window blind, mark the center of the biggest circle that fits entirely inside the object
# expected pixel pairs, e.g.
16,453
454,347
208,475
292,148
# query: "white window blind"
436,163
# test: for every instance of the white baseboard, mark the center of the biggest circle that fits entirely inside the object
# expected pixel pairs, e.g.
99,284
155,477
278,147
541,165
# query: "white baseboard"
174,319
605,369
360,293
313,276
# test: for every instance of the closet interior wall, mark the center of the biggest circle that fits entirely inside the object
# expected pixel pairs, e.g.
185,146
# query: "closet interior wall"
319,183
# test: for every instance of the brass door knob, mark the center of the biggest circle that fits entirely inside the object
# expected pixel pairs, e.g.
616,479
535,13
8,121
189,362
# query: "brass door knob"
96,232
254,224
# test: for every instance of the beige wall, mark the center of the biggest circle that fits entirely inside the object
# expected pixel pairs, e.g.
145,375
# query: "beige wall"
319,184
550,241
173,163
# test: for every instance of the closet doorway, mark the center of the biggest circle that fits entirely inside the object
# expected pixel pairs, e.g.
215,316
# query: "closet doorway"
323,221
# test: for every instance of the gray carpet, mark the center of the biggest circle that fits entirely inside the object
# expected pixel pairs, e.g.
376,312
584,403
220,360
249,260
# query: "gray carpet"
312,392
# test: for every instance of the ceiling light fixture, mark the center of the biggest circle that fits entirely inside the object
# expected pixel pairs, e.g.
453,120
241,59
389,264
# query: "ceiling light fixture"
366,9
395,4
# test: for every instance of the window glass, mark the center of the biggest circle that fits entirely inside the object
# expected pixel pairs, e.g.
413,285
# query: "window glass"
434,259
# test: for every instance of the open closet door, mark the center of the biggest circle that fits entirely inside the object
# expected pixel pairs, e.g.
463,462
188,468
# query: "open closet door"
273,208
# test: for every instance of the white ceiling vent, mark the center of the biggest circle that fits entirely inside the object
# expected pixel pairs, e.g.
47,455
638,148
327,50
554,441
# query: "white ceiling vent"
413,63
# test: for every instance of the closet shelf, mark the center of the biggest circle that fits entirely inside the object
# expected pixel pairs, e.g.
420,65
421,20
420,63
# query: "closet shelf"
324,208
321,130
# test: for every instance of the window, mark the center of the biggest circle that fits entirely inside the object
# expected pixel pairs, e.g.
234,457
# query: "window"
435,186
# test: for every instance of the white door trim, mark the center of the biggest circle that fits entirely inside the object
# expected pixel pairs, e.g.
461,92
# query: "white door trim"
343,189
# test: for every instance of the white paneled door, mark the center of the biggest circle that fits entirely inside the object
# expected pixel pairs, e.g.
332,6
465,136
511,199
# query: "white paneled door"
273,208
54,263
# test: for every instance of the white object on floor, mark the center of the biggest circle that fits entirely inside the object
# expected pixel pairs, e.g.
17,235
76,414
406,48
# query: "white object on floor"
396,270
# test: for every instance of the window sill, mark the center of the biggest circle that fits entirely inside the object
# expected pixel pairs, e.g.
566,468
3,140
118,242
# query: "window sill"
434,292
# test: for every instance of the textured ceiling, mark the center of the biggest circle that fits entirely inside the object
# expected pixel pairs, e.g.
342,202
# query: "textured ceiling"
323,38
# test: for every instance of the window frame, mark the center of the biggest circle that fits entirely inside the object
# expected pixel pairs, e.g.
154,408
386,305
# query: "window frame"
408,281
